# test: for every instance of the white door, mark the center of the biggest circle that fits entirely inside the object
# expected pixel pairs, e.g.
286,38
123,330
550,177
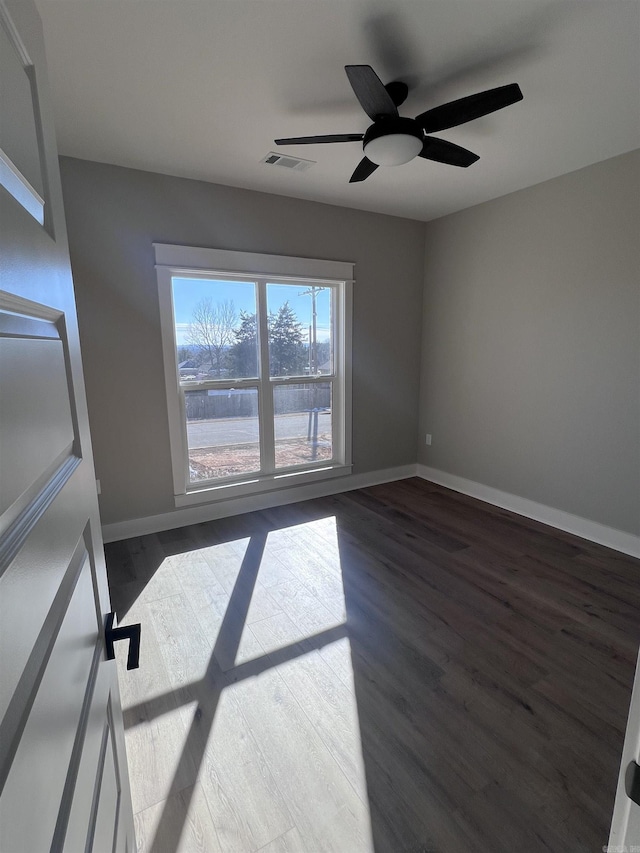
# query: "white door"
63,776
625,825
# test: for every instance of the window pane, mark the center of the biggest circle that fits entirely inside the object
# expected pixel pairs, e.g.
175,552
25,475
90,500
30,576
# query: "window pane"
299,330
215,324
222,433
302,423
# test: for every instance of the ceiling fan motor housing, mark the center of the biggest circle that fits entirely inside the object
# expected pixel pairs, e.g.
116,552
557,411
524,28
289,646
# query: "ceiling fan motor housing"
391,141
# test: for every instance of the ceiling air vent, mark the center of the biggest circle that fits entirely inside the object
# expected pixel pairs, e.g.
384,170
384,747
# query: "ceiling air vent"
295,164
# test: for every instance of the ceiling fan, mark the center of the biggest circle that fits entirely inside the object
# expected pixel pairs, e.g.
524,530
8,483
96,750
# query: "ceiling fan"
392,140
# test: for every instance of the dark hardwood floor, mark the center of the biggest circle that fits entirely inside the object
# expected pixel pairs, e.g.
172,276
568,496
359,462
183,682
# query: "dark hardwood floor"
399,668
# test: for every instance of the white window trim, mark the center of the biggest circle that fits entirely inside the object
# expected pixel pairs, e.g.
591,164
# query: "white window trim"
184,260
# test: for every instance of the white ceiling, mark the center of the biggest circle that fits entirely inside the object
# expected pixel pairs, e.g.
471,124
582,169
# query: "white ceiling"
201,89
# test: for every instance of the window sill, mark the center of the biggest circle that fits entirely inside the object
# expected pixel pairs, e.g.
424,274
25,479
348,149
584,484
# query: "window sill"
258,485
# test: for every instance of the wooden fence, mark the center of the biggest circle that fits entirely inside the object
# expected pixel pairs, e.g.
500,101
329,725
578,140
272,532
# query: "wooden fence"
243,402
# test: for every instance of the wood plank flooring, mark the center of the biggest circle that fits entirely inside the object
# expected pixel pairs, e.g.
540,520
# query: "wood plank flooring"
399,668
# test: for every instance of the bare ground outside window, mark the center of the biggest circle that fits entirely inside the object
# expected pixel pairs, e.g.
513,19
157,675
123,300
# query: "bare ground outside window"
208,463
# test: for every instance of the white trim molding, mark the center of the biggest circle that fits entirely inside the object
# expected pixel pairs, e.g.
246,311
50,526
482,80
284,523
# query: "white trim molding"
191,258
238,506
274,482
618,540
256,270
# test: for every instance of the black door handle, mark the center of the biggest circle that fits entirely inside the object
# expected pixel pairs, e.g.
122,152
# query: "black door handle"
129,632
632,782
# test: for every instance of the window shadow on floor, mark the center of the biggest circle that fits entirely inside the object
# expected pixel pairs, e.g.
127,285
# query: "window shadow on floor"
132,568
471,665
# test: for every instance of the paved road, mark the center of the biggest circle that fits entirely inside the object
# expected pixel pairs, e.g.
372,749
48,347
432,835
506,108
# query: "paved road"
226,431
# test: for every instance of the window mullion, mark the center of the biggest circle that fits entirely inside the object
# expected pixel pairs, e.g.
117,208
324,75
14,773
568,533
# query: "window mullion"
302,380
220,384
267,440
338,356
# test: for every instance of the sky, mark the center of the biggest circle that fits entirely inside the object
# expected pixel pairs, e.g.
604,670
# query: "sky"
187,292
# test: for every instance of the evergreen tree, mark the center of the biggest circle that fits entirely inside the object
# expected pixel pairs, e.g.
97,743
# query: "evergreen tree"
243,355
287,355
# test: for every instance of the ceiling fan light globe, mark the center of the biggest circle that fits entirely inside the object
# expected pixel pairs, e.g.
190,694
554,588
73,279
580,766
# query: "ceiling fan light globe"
393,149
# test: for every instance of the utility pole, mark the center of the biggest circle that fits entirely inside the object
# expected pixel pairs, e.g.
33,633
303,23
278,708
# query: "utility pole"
313,330
312,434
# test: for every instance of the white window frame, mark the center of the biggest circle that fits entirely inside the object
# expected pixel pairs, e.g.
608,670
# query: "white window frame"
185,261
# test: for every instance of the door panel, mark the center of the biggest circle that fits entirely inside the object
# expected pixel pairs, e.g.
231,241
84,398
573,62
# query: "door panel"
50,727
41,570
76,822
18,130
106,821
625,824
36,424
63,772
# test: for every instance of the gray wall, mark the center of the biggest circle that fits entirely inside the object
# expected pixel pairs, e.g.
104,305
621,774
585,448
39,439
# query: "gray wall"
530,338
531,343
115,214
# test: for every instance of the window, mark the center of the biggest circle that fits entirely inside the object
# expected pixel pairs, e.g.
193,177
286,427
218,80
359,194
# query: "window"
257,368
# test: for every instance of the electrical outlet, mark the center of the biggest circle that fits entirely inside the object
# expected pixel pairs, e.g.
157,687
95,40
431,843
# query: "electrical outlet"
98,487
428,439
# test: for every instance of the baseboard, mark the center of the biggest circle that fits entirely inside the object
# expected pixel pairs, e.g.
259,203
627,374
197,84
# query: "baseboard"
237,506
618,540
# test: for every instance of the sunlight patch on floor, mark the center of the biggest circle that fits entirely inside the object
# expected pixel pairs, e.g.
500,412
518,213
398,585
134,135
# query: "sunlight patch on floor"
303,722
242,723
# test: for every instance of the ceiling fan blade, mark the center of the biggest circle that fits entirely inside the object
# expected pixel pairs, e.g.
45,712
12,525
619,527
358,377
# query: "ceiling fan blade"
312,140
446,152
364,168
370,91
469,108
